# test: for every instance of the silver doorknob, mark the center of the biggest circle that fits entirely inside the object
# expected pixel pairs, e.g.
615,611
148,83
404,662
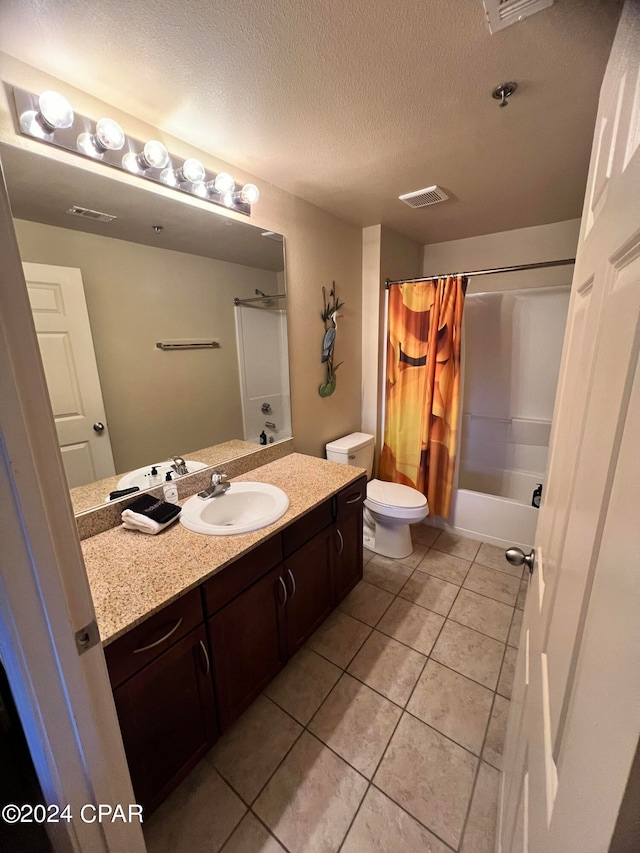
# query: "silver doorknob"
98,427
517,557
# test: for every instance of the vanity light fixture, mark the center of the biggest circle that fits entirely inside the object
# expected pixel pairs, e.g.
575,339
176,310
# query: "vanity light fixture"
50,118
54,113
109,136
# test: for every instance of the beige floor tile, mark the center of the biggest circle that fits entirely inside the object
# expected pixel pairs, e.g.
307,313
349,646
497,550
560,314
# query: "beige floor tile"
312,798
452,704
251,837
302,686
480,832
458,546
366,556
388,667
416,555
356,722
494,558
424,534
411,624
482,614
516,627
383,827
432,593
386,573
339,638
473,654
199,815
445,566
522,592
250,751
366,603
494,584
496,732
429,776
505,682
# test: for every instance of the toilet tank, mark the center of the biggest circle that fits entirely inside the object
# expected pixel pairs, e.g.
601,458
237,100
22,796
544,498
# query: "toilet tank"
354,449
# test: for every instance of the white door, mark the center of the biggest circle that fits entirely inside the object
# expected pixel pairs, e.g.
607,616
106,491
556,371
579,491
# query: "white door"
60,315
575,714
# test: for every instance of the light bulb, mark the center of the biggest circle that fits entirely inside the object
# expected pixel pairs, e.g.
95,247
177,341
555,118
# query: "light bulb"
224,183
168,177
228,199
109,136
55,110
192,171
154,155
249,194
54,113
200,189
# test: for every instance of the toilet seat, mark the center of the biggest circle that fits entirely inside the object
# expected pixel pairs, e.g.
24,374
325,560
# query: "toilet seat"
394,500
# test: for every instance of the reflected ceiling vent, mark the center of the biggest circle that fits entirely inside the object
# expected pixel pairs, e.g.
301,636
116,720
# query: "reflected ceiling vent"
502,13
423,198
86,213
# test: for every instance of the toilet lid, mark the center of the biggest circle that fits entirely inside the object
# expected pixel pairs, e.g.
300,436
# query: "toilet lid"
394,494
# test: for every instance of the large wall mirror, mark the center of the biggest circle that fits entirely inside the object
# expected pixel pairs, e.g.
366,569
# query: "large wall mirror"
162,271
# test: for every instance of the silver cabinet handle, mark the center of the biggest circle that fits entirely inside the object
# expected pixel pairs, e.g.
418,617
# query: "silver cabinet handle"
286,594
161,640
341,549
293,582
517,557
206,657
355,498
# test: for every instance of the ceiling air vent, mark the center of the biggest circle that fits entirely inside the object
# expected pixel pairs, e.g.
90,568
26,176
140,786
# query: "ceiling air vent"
85,213
502,13
422,198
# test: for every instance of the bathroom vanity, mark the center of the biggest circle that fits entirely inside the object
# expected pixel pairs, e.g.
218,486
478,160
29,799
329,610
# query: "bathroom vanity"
194,627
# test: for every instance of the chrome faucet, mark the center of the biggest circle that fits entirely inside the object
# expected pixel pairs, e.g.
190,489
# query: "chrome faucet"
179,465
219,485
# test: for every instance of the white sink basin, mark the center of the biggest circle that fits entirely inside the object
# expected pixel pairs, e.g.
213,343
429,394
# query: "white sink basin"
142,478
241,509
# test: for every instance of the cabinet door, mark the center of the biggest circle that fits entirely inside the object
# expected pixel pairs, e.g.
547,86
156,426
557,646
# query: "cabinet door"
167,718
307,573
246,644
348,538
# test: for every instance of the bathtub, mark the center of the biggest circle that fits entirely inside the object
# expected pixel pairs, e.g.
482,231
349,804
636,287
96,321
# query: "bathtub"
500,519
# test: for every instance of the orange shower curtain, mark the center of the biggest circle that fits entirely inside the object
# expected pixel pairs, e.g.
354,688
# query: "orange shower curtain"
423,388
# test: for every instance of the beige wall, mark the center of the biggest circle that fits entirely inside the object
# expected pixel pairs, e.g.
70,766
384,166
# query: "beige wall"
157,403
385,255
320,248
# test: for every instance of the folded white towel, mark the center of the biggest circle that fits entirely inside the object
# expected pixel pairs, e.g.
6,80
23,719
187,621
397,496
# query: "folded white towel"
136,521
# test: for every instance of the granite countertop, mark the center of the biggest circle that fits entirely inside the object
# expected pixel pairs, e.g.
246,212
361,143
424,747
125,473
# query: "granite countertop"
132,575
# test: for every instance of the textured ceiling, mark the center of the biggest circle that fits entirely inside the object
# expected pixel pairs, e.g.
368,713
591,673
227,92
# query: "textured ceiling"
350,104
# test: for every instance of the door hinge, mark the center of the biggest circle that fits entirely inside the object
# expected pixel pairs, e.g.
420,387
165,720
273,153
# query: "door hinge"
87,637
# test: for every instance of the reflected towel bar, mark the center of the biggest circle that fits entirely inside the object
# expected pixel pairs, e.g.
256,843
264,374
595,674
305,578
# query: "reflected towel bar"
188,345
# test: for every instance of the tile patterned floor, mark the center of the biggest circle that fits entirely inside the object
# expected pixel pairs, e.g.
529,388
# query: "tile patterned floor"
384,733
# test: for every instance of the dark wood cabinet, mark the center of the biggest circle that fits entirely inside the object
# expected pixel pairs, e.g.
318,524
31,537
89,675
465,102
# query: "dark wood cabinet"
167,717
247,644
308,576
347,563
203,659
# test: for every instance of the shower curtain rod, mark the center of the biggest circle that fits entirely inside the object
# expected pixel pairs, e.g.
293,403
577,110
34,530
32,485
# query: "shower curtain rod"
537,266
238,301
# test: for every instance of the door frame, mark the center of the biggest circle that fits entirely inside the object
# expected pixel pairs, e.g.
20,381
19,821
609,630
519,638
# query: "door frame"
64,699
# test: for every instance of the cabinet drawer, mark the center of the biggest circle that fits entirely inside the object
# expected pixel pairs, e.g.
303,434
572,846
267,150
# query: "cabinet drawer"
306,528
141,645
350,499
234,579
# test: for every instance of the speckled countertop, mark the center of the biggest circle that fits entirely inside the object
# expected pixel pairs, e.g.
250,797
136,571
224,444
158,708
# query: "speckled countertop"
132,575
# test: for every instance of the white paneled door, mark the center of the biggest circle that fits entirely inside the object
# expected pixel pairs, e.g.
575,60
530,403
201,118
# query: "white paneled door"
60,315
575,713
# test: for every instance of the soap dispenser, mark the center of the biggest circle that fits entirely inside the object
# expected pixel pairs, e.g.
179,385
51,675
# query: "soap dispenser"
170,490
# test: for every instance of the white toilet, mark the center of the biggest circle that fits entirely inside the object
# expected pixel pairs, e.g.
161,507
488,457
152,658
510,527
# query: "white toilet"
389,508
